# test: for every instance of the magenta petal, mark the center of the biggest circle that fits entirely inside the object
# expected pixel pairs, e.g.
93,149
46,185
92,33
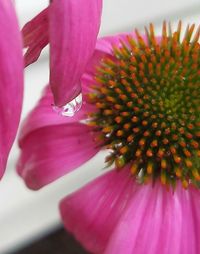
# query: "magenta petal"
159,221
113,214
74,26
36,36
50,152
11,79
92,212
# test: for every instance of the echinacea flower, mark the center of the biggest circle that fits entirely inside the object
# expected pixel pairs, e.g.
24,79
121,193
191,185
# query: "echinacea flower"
11,79
71,28
141,102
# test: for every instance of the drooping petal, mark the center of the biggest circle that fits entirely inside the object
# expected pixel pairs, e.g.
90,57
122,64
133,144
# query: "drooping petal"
52,145
74,26
36,36
11,79
92,212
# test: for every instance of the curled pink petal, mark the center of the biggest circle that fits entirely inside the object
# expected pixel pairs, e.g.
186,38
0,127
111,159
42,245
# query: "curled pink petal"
74,26
11,79
49,153
36,36
92,212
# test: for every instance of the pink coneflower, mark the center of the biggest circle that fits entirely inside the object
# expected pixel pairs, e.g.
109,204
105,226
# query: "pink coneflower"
71,28
141,101
11,79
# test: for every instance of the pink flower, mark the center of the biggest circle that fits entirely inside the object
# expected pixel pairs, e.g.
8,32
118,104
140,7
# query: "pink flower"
140,101
11,79
71,27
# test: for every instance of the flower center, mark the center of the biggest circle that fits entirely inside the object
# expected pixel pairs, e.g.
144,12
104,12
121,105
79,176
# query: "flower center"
148,101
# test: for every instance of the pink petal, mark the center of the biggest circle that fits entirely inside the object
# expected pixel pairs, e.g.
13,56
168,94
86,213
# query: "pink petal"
74,26
159,221
50,152
113,214
11,79
36,36
92,212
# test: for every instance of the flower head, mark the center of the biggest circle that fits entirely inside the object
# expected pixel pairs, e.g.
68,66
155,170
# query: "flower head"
11,79
147,101
141,102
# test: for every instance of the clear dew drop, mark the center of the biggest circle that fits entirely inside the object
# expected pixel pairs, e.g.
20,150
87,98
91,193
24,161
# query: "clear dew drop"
71,107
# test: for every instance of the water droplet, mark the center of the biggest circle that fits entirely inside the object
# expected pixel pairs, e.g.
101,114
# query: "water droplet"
71,107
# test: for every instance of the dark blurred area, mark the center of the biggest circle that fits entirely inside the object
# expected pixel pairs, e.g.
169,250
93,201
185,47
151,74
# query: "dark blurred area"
58,242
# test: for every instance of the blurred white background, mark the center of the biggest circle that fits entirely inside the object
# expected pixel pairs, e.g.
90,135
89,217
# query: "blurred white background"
26,215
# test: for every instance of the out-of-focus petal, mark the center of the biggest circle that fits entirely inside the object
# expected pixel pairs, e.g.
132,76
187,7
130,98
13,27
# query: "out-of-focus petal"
11,79
50,152
159,221
74,26
36,36
92,213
